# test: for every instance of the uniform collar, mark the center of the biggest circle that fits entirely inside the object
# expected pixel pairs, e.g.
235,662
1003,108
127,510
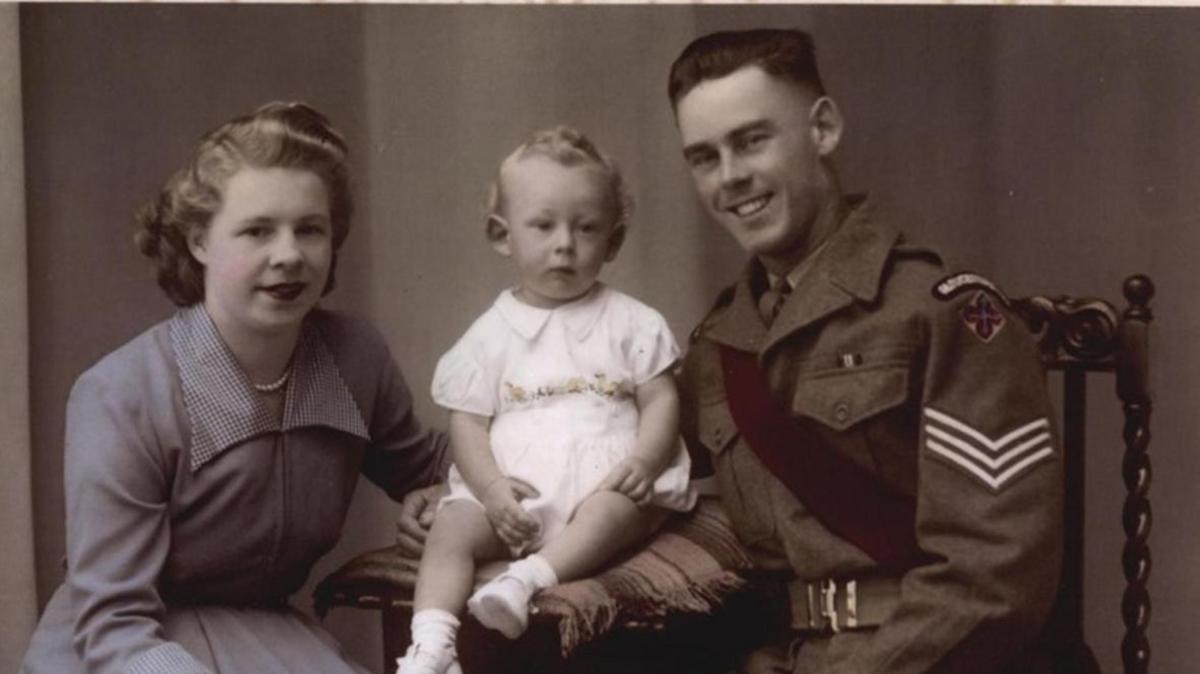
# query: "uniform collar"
578,315
792,278
848,269
740,325
222,405
856,253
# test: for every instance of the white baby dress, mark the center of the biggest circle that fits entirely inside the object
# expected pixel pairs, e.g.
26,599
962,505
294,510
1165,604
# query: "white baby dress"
559,385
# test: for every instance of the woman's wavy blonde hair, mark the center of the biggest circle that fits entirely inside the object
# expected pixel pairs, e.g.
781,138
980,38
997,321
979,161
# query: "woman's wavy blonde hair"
277,135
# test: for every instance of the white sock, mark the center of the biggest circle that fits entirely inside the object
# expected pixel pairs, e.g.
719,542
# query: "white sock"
534,571
432,650
434,628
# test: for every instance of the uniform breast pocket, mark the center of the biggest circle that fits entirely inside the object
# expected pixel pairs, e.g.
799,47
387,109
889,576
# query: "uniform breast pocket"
844,398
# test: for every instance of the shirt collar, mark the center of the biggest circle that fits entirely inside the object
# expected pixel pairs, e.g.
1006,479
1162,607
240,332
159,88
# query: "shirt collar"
579,315
793,277
222,405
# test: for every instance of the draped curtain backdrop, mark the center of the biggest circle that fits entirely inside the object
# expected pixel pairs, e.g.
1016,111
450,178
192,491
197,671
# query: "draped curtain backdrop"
1055,150
18,594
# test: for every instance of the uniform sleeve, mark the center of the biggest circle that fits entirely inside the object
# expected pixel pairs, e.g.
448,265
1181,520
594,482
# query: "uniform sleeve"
691,392
989,499
118,534
403,454
652,348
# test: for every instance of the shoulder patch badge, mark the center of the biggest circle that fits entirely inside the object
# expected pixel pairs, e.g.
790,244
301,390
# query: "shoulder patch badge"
996,462
961,283
982,318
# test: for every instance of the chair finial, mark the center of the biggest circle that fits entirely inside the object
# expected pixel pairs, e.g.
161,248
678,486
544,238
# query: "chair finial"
1139,290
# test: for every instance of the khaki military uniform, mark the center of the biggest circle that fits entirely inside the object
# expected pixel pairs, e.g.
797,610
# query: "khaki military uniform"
924,378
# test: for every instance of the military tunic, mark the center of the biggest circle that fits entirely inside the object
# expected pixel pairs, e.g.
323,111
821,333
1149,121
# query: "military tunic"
927,381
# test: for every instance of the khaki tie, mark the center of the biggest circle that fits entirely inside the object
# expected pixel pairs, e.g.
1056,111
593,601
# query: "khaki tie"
772,300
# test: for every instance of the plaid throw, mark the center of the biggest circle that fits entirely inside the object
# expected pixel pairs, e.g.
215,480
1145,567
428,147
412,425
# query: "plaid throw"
689,567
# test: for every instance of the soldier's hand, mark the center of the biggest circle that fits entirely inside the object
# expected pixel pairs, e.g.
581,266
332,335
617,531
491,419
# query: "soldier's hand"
770,659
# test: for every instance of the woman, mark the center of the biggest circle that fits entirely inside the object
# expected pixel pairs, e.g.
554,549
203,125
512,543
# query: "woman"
211,460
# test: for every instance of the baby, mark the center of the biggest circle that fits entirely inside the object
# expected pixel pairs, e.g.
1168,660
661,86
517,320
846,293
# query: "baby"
563,409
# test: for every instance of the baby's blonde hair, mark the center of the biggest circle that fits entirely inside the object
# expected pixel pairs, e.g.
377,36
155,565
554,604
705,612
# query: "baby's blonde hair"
566,146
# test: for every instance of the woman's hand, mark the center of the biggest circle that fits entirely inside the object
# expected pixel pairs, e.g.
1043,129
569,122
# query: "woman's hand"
631,477
501,498
416,516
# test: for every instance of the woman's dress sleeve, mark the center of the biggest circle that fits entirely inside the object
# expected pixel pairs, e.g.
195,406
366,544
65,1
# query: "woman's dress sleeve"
118,533
403,454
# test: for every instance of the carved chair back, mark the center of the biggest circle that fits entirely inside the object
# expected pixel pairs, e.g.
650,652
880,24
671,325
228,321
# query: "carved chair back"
1076,337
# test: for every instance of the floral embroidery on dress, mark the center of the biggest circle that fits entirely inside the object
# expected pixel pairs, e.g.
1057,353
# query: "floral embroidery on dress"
600,385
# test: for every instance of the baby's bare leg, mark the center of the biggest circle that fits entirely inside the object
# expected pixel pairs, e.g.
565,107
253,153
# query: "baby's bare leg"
606,523
461,535
603,525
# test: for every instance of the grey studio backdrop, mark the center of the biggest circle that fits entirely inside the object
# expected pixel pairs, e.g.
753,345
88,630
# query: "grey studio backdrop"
1050,149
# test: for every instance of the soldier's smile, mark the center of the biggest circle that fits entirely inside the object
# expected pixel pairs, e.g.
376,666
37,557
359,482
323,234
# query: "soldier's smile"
752,207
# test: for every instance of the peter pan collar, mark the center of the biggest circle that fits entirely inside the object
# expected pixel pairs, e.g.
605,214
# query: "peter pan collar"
222,405
579,315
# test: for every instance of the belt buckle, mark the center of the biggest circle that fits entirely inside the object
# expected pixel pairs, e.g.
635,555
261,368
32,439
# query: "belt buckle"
829,604
813,607
851,604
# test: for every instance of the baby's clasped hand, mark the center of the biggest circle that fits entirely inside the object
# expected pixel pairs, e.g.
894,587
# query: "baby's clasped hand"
631,477
501,499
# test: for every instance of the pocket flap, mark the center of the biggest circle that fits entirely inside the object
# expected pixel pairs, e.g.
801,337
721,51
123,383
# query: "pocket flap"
715,427
842,398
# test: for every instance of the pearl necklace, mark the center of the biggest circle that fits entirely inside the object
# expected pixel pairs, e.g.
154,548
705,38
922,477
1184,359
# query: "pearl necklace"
275,385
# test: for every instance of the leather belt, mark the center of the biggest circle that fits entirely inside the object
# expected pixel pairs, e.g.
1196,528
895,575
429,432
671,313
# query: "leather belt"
835,605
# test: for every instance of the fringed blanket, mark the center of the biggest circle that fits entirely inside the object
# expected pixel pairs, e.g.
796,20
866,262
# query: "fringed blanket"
689,567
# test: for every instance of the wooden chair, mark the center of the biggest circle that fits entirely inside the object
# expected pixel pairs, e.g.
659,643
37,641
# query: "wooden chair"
1076,336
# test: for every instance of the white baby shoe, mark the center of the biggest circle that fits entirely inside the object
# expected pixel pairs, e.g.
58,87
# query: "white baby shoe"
423,660
502,604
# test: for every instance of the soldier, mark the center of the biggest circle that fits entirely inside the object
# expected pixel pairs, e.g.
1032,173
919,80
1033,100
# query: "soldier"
877,422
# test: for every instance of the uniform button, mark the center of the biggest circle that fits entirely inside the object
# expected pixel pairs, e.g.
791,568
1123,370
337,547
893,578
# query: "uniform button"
841,412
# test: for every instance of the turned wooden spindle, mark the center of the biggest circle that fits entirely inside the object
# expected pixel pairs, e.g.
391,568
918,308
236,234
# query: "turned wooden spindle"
1133,390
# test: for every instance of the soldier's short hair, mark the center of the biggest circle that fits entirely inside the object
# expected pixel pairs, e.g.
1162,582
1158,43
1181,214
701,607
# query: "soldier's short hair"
785,53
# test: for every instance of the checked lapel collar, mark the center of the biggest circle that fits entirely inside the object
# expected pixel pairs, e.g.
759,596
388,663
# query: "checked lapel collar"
221,403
